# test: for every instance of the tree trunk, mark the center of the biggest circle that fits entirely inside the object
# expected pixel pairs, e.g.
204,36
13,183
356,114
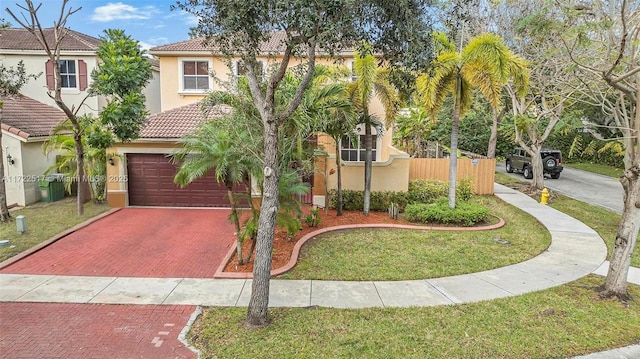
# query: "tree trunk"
259,302
4,209
537,167
82,195
453,156
339,179
493,139
368,163
626,237
236,222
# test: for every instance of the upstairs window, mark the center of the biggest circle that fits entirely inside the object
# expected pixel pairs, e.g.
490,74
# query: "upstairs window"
195,76
73,74
350,151
68,73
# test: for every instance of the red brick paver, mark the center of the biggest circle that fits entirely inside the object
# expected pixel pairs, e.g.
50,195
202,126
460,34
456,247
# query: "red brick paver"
139,242
47,330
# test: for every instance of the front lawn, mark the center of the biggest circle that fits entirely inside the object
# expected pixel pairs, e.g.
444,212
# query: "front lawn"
44,220
604,170
557,323
395,254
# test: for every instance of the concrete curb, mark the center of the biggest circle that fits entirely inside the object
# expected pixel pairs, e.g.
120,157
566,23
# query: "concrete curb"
55,238
221,274
182,337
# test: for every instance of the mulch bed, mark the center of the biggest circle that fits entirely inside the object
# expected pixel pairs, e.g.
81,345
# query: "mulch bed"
283,246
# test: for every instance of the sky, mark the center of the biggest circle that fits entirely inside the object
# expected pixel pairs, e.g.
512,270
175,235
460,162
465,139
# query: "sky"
151,22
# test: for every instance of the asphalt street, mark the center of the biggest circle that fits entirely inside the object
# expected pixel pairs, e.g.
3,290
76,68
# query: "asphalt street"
585,186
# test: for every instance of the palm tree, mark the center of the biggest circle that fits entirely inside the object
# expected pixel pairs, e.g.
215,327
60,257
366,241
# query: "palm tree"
370,80
95,142
487,64
215,145
328,102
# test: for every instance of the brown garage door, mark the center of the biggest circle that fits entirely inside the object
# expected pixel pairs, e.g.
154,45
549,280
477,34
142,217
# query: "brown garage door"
151,184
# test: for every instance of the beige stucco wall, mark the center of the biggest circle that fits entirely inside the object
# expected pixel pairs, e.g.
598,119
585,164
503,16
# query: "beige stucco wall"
391,175
171,94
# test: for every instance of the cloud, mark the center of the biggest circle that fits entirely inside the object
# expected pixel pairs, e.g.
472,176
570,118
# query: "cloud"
121,11
185,17
160,40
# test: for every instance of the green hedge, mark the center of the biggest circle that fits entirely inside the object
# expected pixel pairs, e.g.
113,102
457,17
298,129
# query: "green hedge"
380,200
428,191
420,191
465,213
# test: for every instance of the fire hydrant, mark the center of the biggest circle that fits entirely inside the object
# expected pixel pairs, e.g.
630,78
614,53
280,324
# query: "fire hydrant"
545,196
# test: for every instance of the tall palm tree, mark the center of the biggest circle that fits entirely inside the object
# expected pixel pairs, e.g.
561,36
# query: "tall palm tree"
487,64
371,80
331,112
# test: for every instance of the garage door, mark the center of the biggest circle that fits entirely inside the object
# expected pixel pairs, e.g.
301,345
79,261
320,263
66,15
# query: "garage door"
150,183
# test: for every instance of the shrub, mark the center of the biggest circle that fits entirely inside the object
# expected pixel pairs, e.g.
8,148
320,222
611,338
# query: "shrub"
465,213
380,200
428,191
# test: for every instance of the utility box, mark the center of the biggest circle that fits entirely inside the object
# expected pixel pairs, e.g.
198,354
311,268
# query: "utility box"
51,188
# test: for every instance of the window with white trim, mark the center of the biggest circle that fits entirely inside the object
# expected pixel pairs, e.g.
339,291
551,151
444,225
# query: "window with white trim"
354,150
195,76
68,73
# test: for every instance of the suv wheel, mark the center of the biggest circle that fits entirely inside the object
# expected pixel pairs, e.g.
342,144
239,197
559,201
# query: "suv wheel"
555,175
549,163
509,168
527,173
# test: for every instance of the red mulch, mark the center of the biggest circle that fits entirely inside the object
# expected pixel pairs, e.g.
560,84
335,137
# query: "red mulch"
282,246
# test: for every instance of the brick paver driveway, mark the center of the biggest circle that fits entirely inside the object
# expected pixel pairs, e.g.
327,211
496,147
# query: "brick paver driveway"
53,330
132,242
139,242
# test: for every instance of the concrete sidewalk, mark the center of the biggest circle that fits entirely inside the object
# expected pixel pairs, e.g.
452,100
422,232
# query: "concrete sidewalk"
576,250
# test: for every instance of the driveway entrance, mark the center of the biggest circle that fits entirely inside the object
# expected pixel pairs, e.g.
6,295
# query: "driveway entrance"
139,242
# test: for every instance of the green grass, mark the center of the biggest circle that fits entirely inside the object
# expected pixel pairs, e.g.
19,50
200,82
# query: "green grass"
557,323
44,220
597,168
603,221
396,254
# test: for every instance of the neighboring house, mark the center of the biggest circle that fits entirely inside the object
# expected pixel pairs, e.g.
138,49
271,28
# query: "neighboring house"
26,132
26,124
77,60
189,71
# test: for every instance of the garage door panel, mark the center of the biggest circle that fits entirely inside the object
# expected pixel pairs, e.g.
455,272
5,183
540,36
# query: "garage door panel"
151,184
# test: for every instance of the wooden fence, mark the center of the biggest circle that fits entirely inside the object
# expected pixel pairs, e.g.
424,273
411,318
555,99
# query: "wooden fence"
481,171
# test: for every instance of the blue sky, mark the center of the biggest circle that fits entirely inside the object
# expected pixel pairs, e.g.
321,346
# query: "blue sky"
149,21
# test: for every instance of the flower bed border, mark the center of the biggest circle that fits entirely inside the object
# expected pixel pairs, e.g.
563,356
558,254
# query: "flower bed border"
295,253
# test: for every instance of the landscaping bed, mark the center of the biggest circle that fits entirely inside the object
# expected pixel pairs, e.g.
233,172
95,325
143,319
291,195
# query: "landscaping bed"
284,245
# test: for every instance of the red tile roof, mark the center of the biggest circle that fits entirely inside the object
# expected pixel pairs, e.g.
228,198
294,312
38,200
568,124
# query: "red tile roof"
274,44
26,117
179,121
21,39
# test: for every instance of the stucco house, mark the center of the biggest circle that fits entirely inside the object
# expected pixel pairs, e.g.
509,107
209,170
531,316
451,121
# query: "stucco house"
77,60
188,72
26,124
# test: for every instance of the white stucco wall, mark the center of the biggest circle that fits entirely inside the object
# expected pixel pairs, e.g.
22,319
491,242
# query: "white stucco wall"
13,175
29,164
152,94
